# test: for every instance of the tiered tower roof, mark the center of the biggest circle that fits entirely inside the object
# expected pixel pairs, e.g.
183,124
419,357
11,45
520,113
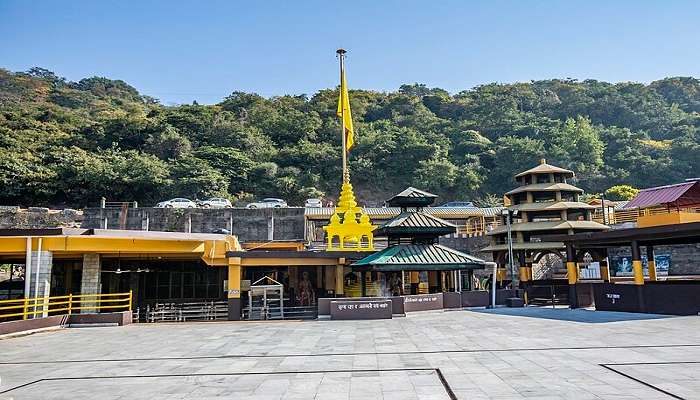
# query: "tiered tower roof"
545,203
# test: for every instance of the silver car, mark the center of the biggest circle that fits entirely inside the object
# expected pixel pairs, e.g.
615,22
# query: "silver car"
313,203
178,202
215,202
269,202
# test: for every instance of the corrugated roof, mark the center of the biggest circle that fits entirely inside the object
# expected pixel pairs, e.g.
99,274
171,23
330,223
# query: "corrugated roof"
545,168
390,212
415,223
545,187
678,194
412,256
413,192
412,197
525,246
416,220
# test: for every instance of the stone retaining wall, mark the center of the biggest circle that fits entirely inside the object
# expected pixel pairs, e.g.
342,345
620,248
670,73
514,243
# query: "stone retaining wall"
247,224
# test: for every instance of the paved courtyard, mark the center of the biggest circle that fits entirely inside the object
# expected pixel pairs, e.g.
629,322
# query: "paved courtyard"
501,354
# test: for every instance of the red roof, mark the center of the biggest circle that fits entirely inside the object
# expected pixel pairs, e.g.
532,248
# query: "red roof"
680,194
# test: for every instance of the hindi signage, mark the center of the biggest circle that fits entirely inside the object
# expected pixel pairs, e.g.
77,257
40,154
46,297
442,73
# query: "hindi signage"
370,309
423,302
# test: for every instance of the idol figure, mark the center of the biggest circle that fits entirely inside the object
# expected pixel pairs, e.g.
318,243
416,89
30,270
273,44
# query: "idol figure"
395,285
306,291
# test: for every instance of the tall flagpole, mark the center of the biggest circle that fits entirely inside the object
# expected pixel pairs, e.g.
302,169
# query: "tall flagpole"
346,174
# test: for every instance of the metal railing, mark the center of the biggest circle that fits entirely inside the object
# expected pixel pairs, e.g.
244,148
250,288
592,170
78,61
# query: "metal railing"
68,304
633,214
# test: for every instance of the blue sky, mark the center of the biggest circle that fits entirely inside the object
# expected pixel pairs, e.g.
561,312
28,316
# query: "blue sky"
179,51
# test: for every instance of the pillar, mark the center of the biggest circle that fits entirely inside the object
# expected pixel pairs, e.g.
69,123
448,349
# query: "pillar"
637,264
415,281
339,280
43,260
134,287
234,289
91,281
522,268
572,273
433,282
605,270
651,262
363,283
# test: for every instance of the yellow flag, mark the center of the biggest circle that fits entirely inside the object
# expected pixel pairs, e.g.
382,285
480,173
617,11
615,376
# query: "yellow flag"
344,112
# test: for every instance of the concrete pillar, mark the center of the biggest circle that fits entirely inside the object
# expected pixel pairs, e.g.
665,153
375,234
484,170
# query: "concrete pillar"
363,283
91,282
415,281
637,264
433,282
234,289
134,287
271,226
572,273
605,270
145,221
45,260
651,262
339,280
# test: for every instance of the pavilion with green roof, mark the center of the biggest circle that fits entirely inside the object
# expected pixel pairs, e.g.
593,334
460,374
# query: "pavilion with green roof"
413,247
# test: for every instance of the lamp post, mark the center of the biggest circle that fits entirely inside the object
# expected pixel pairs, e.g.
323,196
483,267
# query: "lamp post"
509,214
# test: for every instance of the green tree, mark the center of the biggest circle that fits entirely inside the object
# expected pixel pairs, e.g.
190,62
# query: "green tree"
621,192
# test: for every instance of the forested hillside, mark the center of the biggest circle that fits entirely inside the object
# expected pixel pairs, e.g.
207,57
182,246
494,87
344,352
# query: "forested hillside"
70,143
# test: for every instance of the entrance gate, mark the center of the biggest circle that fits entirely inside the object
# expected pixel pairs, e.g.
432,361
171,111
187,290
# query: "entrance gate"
265,300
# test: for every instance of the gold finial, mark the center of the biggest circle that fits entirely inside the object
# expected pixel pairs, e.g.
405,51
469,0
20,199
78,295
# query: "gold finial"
543,161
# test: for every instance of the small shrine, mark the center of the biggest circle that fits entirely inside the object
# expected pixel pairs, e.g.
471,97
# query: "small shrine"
414,249
350,228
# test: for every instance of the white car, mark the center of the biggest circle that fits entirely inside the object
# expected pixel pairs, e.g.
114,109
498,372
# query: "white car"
215,202
177,203
268,203
313,203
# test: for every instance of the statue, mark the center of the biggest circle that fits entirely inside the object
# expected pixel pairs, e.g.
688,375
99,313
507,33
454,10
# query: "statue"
396,285
306,291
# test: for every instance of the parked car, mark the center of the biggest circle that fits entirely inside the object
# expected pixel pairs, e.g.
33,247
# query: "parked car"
178,202
215,202
268,203
465,204
313,203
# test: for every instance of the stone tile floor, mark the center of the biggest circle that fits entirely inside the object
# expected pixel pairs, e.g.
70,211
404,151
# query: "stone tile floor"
533,353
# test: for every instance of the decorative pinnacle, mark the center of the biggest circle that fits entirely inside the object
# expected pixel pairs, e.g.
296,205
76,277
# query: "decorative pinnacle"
341,51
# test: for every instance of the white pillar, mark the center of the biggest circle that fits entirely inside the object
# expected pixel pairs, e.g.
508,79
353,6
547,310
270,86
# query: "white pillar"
28,268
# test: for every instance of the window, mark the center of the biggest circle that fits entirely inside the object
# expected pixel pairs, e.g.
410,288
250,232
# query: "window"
545,216
568,196
543,197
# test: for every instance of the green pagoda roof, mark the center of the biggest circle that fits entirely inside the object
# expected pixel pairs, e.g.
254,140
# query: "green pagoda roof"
418,257
412,197
418,223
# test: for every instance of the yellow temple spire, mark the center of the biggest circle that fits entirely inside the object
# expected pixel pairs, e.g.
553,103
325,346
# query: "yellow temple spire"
349,227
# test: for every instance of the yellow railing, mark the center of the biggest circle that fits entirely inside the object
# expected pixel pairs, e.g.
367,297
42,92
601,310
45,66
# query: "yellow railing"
633,214
68,304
